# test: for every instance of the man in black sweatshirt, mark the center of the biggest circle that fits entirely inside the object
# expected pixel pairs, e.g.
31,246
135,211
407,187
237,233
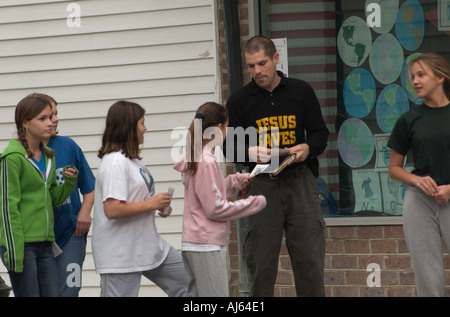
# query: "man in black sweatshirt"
269,118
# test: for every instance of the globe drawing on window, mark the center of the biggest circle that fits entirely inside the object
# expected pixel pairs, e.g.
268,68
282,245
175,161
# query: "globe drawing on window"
359,93
410,25
355,142
391,104
354,41
376,91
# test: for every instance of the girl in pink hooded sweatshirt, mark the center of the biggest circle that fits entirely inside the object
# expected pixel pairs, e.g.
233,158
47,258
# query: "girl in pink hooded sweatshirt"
207,210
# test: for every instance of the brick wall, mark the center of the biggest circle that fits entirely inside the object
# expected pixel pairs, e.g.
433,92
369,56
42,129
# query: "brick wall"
349,252
349,249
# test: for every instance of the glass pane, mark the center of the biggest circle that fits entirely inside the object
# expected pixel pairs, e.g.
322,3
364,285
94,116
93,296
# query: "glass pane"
354,54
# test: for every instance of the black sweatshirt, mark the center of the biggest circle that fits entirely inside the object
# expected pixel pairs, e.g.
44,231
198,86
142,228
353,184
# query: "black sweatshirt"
287,116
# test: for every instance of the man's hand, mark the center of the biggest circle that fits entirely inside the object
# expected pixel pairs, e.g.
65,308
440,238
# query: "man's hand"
301,152
259,154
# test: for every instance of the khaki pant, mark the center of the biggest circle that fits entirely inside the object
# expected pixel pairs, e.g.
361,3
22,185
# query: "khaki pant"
293,207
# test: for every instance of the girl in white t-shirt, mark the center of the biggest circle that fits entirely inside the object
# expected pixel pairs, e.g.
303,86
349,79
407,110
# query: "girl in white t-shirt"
125,241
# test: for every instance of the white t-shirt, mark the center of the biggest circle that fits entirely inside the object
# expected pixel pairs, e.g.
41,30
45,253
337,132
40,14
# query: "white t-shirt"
127,244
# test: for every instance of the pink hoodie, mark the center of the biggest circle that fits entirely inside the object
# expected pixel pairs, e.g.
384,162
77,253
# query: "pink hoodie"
206,209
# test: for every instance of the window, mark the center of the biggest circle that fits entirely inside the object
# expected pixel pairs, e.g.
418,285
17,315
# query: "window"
354,54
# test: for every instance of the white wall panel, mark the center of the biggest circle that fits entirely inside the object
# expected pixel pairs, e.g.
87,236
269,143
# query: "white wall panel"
160,54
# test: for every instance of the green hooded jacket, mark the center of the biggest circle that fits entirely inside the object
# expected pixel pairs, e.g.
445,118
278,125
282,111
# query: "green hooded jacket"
27,202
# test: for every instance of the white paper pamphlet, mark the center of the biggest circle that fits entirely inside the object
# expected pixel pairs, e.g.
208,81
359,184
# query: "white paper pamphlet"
259,168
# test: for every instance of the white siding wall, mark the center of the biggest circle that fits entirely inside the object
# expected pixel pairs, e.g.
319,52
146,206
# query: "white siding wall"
160,54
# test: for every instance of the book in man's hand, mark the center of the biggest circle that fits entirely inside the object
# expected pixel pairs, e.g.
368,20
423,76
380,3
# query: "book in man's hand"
286,162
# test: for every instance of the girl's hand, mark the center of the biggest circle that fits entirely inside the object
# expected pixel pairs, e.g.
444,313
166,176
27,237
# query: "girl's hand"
70,171
163,215
442,195
83,224
427,185
159,201
247,180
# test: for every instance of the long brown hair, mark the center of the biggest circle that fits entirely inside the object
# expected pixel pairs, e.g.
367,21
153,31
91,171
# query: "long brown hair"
438,65
49,99
27,109
43,96
209,114
120,132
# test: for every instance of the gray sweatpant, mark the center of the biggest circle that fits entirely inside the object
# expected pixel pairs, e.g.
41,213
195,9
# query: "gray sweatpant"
426,224
207,273
170,276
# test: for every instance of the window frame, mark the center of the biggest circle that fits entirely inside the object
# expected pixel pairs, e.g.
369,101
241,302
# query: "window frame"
257,18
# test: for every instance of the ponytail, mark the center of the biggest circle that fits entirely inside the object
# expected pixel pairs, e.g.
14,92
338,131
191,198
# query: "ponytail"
208,115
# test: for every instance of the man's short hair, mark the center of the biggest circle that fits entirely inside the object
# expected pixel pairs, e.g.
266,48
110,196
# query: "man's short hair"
259,42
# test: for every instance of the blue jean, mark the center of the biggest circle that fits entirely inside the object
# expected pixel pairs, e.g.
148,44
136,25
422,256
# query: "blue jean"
38,278
69,265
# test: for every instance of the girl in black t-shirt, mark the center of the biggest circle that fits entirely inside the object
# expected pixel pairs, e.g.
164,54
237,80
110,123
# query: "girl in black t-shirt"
426,208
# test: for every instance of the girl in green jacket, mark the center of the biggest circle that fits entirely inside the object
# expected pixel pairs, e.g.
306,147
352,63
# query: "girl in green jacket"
28,192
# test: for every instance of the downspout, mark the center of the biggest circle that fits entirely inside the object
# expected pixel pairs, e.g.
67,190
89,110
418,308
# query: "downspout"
234,67
232,44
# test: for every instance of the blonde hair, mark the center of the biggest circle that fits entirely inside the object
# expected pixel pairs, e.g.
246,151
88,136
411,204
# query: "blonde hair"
438,65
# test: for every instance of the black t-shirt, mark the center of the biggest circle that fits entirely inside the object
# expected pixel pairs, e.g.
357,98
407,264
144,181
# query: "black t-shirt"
287,116
426,131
